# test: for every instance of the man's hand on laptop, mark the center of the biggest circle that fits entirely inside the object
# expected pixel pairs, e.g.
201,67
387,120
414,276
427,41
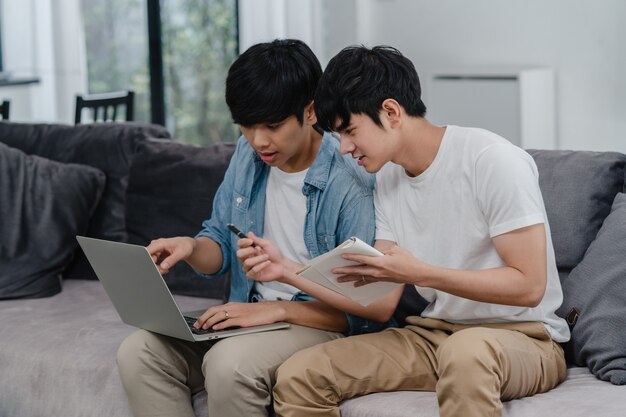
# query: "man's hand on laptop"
242,315
168,252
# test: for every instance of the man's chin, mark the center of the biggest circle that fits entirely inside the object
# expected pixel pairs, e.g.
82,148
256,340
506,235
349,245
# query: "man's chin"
371,168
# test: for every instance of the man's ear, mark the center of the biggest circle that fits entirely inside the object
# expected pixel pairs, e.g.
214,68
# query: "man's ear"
309,114
391,111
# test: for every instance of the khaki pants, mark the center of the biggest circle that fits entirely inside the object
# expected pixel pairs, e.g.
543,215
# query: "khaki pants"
160,373
471,367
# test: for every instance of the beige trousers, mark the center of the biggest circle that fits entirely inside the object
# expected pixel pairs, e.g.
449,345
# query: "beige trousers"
472,368
160,373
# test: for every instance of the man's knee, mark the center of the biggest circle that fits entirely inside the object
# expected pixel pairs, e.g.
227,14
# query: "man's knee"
140,352
229,364
291,369
132,351
304,373
471,373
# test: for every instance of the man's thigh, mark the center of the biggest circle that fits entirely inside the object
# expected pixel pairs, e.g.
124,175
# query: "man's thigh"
258,355
522,354
535,362
391,360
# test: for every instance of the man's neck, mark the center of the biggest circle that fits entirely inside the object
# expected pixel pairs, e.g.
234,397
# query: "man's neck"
420,144
307,154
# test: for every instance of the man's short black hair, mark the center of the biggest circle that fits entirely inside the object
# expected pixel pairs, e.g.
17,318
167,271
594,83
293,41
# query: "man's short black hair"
271,81
358,79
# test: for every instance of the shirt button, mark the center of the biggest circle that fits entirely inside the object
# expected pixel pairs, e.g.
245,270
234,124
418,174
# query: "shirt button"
239,200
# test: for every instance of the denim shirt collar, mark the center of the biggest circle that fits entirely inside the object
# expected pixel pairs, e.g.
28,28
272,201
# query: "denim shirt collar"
320,169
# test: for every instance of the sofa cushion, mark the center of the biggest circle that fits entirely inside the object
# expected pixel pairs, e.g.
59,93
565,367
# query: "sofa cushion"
170,193
106,146
580,395
43,205
57,354
596,289
578,188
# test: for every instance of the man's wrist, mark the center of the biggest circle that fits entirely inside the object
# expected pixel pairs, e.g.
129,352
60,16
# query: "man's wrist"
289,278
424,275
291,266
282,309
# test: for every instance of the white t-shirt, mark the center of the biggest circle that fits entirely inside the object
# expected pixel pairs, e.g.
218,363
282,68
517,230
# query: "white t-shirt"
285,211
478,186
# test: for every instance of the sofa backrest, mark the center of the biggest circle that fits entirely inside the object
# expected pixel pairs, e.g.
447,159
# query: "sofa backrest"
586,206
106,146
170,193
578,189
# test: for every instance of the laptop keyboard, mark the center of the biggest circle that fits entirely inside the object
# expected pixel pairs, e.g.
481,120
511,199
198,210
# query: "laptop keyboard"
190,321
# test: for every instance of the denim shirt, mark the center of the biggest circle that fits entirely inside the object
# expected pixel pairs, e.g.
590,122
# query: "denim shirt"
339,201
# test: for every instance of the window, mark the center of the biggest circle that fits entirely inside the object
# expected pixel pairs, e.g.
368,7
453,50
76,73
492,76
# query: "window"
1,66
116,40
198,42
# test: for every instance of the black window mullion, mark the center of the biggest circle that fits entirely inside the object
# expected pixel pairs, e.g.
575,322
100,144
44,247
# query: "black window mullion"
155,53
0,41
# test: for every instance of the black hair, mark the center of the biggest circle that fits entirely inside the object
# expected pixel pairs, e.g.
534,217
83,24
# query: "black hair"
271,81
358,79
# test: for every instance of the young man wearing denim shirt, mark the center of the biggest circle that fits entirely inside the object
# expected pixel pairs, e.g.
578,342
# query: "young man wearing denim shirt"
286,181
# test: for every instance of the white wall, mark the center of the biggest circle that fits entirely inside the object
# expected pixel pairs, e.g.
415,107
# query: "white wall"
324,25
266,20
582,40
44,39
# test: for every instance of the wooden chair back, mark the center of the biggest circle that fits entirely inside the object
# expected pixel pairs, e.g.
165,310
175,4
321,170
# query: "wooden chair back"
104,107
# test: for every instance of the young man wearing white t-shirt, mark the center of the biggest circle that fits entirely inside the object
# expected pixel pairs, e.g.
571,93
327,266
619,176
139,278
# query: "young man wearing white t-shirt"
459,214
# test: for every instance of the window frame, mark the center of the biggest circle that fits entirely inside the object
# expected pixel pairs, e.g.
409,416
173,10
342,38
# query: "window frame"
1,63
155,59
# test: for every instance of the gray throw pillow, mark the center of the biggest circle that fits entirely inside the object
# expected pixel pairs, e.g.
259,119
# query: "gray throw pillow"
595,301
578,188
43,206
106,146
170,193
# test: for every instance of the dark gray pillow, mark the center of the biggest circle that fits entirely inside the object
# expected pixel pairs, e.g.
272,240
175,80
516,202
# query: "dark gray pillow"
578,188
106,146
170,193
43,206
595,301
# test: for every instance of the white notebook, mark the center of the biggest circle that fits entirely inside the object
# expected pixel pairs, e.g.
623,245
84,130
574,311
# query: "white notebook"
319,271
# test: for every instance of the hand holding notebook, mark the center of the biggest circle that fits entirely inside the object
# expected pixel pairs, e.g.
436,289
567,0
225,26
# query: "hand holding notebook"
319,270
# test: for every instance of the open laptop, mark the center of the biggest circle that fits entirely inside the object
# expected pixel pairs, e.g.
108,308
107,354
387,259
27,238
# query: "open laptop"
140,295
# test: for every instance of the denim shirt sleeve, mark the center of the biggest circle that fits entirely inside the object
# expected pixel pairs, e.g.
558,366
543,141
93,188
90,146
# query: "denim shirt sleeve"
215,227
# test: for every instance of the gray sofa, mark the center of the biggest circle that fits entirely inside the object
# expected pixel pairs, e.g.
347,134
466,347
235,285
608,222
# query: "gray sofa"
59,335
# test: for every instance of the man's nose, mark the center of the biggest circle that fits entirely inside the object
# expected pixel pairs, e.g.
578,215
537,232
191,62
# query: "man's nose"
260,138
345,146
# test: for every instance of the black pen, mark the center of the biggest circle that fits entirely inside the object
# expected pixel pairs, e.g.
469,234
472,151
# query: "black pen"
238,232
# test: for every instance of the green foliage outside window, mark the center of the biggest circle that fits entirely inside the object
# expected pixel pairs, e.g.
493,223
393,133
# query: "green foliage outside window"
199,43
116,41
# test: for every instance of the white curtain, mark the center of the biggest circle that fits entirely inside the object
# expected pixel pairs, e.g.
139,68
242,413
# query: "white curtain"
265,20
